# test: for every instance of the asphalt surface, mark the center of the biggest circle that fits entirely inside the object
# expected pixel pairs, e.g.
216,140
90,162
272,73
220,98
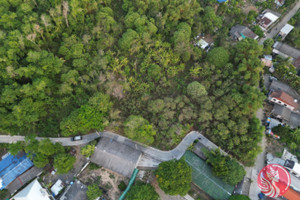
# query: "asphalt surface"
275,30
175,153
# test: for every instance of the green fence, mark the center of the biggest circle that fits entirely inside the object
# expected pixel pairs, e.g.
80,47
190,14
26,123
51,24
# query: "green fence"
203,178
133,176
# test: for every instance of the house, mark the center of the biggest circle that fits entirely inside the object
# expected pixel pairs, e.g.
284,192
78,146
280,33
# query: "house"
267,19
288,117
267,60
33,191
282,112
239,32
279,3
116,156
282,98
11,167
202,44
57,187
286,51
285,30
77,191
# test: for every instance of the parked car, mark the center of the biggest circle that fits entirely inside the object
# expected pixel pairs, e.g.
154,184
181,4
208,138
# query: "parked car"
76,138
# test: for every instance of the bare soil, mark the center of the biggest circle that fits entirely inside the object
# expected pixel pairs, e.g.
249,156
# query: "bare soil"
106,179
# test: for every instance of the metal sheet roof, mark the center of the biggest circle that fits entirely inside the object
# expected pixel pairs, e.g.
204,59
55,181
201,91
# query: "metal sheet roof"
286,29
13,166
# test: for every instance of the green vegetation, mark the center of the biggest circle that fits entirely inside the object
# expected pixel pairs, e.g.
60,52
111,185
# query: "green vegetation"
63,163
290,138
142,191
293,38
73,67
257,30
122,186
88,149
287,73
138,128
43,153
93,192
174,177
4,194
228,169
239,197
93,166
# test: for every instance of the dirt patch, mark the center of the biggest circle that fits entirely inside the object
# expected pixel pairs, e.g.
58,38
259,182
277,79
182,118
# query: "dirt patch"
248,6
106,179
274,146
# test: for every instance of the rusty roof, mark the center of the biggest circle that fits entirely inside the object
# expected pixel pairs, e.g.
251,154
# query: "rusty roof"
284,97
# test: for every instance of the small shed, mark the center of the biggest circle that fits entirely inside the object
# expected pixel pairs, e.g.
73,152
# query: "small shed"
57,187
286,30
202,43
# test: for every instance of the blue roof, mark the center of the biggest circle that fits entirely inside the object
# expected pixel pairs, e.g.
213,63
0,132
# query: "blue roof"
221,1
13,166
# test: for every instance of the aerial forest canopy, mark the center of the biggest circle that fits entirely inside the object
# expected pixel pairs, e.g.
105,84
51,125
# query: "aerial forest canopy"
72,67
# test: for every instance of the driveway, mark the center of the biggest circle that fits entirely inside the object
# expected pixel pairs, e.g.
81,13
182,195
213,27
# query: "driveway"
282,23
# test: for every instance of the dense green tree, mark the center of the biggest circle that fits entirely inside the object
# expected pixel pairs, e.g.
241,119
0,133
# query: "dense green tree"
88,149
40,160
63,163
174,177
15,148
218,56
142,191
46,147
93,192
196,91
229,170
138,128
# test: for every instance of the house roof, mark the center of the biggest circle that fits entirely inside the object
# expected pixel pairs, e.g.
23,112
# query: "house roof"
286,29
266,21
285,98
240,30
116,156
77,191
267,62
57,187
202,43
294,120
287,50
270,16
277,86
13,166
282,111
33,191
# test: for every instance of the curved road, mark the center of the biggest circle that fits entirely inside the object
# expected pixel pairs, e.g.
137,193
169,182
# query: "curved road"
175,153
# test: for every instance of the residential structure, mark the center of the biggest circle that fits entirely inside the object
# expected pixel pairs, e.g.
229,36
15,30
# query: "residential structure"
282,98
279,3
286,115
285,30
57,187
33,191
239,32
12,167
116,156
286,51
267,19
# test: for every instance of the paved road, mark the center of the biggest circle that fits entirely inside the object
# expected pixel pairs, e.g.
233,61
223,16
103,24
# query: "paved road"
157,154
175,153
65,141
282,23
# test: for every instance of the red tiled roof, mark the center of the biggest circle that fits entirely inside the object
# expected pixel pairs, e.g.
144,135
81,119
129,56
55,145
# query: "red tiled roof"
285,98
291,194
266,21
